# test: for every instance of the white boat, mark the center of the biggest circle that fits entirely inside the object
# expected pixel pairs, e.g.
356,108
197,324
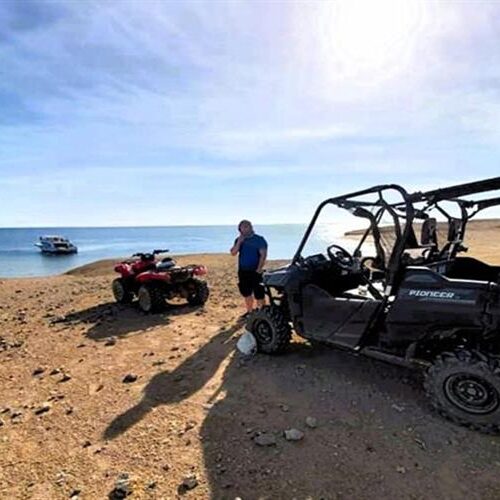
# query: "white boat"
56,245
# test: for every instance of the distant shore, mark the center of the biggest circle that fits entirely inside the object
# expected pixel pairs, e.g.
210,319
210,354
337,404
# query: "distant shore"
482,238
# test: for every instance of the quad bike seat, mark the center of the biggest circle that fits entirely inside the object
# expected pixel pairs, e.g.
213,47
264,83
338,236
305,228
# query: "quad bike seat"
165,264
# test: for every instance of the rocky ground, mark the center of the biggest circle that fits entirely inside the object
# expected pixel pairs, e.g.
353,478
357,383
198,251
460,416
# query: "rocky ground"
98,400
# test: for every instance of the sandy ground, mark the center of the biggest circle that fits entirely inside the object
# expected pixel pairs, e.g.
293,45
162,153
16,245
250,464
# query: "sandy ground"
71,428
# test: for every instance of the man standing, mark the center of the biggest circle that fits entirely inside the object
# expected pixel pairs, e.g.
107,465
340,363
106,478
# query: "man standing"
252,250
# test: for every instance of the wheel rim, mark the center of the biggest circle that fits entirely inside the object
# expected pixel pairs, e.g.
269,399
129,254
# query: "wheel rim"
472,394
118,290
144,299
263,331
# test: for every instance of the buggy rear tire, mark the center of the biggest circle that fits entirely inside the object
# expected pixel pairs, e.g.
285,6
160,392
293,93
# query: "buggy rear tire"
121,292
151,299
270,329
199,294
464,386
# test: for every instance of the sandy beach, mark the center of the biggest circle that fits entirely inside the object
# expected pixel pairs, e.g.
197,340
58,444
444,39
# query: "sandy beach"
190,421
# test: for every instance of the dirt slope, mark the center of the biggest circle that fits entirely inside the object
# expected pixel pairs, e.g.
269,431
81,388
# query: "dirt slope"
196,409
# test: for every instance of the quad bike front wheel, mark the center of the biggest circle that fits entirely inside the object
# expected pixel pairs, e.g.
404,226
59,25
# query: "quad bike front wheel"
464,386
121,292
198,292
270,329
151,299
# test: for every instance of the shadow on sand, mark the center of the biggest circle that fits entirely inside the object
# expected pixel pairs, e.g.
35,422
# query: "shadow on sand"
112,319
173,387
374,437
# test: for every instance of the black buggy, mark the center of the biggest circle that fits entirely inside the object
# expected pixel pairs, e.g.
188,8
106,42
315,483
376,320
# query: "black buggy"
401,299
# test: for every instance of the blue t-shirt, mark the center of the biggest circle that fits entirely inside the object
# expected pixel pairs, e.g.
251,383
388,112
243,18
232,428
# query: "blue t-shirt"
250,252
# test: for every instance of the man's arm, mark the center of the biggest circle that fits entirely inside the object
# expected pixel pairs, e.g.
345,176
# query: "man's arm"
236,247
262,260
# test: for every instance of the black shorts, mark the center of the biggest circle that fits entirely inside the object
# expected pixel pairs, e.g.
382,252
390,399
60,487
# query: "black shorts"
250,282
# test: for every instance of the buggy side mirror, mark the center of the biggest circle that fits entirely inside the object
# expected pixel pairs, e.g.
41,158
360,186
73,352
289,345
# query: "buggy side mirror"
428,235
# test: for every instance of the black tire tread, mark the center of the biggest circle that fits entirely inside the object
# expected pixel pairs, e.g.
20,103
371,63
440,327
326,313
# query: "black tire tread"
282,330
201,294
128,295
157,298
489,365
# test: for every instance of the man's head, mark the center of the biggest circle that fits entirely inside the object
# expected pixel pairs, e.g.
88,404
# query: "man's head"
245,228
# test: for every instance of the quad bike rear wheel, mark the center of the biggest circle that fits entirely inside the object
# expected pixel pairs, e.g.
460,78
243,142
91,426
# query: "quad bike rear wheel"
272,332
151,299
121,292
464,386
199,293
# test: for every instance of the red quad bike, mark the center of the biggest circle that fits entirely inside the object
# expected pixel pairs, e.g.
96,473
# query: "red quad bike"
154,281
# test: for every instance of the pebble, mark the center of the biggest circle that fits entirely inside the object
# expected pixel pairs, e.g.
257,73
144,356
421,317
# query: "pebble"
65,378
293,435
129,378
44,408
111,341
38,371
122,487
311,422
190,482
265,439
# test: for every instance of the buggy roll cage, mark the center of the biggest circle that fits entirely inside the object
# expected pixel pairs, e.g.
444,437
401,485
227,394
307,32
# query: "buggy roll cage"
468,209
380,206
403,213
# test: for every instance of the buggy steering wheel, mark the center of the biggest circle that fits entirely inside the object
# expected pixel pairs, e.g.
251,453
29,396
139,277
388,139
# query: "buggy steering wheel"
341,257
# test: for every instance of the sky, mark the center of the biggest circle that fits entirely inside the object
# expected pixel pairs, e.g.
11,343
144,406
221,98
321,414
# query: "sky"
166,113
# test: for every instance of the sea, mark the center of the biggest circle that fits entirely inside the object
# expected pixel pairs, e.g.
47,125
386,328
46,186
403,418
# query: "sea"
19,257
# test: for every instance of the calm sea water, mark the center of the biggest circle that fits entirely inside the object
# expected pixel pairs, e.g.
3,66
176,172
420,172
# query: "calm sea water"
19,256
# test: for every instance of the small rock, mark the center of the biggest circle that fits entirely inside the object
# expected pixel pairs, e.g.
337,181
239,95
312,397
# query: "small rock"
159,362
86,444
421,444
293,435
44,408
122,488
265,439
75,494
38,371
398,408
284,408
129,378
111,341
65,378
152,485
189,482
401,469
311,422
55,371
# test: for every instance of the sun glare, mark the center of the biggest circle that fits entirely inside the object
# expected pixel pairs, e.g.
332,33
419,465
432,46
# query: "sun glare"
370,39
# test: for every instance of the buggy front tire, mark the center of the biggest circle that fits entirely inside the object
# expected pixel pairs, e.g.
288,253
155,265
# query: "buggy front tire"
199,293
270,329
121,292
151,299
464,386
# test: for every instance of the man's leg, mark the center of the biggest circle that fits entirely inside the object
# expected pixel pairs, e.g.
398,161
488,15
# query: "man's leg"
249,303
259,291
245,287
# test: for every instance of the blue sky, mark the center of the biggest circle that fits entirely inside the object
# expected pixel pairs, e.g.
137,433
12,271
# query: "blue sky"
159,113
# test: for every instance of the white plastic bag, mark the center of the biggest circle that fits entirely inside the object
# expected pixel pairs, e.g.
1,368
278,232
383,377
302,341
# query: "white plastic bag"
247,344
